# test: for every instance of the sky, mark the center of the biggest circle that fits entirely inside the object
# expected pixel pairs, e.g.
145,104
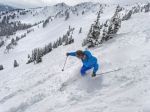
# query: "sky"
36,3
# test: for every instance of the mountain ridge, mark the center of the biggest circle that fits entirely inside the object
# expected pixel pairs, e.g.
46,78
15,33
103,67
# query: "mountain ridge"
6,7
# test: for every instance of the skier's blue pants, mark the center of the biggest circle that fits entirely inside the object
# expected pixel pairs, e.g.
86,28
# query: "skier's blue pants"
84,69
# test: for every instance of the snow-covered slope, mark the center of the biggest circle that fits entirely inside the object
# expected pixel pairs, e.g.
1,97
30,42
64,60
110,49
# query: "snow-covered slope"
55,29
45,88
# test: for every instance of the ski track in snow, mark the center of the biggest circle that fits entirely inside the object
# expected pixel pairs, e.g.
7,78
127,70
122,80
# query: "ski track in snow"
40,82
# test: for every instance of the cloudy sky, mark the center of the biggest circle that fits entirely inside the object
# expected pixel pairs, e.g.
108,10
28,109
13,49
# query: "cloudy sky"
35,3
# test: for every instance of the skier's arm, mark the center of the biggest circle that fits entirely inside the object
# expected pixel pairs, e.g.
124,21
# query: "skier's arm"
88,54
71,54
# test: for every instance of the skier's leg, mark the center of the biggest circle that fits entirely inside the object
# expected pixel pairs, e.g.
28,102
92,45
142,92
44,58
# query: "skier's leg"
83,70
96,66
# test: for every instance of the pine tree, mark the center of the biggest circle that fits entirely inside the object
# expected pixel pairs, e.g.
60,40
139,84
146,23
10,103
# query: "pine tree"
80,30
111,27
15,63
45,50
60,41
127,16
119,9
29,59
147,7
50,47
67,41
63,38
115,24
84,42
105,34
83,12
38,56
1,43
70,40
29,56
69,27
13,41
17,38
54,45
45,22
34,54
57,43
94,32
1,67
67,14
8,47
136,9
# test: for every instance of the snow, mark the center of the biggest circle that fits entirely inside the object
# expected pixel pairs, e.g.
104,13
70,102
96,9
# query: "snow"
38,88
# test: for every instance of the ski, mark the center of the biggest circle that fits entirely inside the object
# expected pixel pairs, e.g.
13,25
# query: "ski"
109,71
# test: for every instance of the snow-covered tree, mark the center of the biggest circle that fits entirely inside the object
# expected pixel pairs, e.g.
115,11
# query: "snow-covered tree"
105,32
9,28
69,27
111,27
16,63
147,7
94,32
127,16
84,42
1,67
67,15
23,35
64,38
70,40
37,53
48,48
8,47
119,9
60,41
80,30
115,23
38,56
83,12
17,38
1,43
29,59
45,23
55,45
136,9
13,41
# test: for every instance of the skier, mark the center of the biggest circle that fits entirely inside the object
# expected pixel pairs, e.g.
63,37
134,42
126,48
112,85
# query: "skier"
88,61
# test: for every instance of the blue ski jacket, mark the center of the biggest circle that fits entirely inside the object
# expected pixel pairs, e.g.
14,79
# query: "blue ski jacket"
89,62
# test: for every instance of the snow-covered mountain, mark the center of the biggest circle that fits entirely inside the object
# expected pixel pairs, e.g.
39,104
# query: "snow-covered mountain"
43,87
5,7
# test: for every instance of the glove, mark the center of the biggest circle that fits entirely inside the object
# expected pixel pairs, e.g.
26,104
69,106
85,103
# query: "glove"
67,54
93,74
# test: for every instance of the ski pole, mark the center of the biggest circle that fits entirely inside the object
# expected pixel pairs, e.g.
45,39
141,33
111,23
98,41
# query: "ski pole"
64,63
